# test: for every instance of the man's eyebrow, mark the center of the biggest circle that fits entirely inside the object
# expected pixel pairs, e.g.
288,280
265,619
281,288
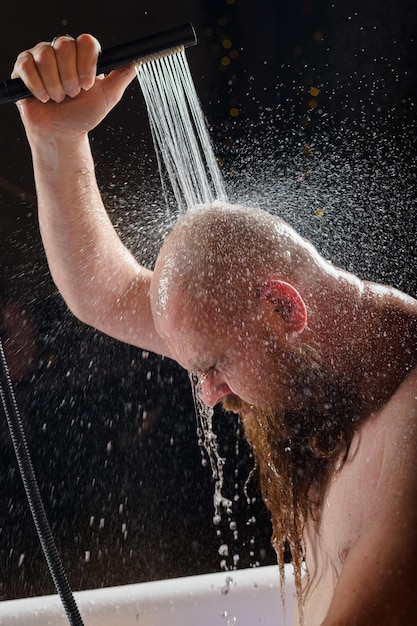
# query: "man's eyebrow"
198,368
204,366
212,364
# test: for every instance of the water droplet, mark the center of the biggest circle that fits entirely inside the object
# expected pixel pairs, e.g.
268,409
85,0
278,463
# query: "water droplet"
224,550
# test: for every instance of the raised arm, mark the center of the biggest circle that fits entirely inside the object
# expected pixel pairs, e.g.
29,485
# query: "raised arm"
99,279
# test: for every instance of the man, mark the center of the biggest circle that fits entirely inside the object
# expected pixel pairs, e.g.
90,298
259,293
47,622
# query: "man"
320,365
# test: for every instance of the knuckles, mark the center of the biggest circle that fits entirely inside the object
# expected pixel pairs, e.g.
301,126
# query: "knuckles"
89,43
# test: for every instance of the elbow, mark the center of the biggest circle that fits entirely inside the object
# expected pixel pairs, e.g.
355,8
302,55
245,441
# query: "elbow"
82,310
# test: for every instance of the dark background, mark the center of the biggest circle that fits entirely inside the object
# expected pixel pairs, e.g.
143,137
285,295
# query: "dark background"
311,106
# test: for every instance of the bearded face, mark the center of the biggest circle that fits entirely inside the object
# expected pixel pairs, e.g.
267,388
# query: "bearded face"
295,446
309,429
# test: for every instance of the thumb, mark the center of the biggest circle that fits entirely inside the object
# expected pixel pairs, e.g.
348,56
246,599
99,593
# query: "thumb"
115,84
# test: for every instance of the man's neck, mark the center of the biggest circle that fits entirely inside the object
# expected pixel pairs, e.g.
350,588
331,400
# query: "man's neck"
391,348
372,343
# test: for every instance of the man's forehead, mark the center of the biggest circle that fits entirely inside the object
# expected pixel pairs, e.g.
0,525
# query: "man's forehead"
200,347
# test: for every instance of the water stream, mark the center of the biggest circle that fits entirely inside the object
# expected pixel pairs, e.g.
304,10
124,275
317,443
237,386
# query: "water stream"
182,142
186,157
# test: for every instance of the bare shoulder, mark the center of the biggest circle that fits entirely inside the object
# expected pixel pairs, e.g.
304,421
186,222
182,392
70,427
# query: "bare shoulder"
396,494
378,578
382,460
399,419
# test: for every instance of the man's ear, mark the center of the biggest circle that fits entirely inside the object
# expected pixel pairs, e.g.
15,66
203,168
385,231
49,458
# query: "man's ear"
286,301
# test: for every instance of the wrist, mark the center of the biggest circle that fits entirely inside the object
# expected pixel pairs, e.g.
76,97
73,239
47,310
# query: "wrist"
63,153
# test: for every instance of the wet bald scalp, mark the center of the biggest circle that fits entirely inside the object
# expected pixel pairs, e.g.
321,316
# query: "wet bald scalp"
223,252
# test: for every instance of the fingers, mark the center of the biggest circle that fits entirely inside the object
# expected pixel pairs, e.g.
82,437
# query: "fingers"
63,68
26,68
88,49
61,77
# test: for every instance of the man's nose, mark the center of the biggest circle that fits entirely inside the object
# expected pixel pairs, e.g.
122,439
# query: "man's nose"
213,387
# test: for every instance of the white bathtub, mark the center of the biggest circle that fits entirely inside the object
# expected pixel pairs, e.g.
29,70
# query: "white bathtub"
245,598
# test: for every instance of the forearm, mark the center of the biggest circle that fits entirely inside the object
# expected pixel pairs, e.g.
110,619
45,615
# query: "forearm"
89,264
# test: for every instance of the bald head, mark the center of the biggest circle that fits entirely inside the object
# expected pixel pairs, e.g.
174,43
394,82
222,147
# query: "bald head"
219,255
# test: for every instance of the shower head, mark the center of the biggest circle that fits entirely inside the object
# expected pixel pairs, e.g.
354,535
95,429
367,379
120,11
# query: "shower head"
137,51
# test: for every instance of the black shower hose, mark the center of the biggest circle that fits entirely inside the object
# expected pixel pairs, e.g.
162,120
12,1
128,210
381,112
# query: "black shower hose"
33,495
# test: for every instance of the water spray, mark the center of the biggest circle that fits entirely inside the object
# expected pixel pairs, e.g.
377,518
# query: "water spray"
133,52
142,50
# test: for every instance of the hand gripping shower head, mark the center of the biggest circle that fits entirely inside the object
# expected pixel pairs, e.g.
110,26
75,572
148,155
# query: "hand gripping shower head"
136,51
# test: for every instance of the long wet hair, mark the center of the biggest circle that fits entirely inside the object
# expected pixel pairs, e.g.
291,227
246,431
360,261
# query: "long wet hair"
296,450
